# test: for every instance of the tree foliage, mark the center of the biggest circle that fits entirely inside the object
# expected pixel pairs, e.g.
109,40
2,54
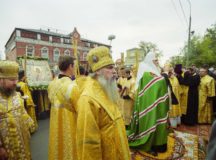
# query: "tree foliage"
202,50
149,47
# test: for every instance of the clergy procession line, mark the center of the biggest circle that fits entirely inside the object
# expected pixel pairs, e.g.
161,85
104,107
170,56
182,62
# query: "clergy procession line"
105,114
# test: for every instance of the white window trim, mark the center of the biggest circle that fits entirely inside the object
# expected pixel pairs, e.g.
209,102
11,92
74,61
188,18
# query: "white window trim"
18,33
84,57
38,36
50,38
47,52
54,57
67,50
32,50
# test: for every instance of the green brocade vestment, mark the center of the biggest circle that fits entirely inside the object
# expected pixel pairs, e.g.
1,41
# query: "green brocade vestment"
150,114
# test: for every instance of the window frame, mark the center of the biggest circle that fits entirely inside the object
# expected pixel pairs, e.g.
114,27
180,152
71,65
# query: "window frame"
28,54
47,49
67,51
55,57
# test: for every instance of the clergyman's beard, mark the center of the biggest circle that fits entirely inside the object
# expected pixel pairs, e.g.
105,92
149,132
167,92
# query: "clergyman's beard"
7,91
110,88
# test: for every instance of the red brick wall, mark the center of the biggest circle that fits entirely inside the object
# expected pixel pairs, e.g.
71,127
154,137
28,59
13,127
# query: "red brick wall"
21,50
44,37
31,35
56,39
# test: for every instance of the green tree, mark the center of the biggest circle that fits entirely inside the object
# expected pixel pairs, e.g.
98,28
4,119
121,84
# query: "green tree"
177,60
205,49
202,50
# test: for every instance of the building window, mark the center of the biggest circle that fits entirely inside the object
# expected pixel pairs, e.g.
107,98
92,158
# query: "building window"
92,45
85,55
45,52
67,52
68,41
95,45
56,54
44,37
87,44
56,39
30,35
30,51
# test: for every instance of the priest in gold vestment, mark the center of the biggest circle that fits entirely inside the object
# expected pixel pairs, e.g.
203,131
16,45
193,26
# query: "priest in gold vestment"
206,92
100,129
175,109
15,123
184,88
127,95
63,94
28,101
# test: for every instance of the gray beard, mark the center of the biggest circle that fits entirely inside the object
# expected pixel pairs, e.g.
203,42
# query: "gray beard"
7,91
110,88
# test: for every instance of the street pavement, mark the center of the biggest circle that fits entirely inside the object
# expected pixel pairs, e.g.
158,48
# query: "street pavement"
39,141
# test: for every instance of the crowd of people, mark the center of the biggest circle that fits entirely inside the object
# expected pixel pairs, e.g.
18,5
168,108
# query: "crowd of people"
100,115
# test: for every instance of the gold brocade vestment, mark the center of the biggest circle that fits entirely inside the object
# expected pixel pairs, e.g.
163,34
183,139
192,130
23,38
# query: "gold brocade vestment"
175,110
63,94
30,106
100,130
206,89
128,89
184,98
15,126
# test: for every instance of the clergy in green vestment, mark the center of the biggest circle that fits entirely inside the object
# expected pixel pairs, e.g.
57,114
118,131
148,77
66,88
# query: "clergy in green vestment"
148,130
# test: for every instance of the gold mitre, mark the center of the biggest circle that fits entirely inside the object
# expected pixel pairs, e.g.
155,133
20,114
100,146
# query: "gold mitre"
134,67
8,69
167,67
99,57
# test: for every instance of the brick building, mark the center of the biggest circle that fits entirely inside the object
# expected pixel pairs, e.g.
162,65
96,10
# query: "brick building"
47,44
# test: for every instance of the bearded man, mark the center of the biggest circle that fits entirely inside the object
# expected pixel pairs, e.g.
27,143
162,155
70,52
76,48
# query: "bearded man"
100,132
15,123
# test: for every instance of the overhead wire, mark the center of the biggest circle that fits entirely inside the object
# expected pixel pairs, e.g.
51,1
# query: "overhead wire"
182,9
180,18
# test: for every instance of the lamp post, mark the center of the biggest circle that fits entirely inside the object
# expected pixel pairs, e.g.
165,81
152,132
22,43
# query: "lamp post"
189,36
110,38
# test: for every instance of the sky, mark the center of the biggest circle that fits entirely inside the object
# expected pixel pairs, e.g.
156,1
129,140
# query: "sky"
158,21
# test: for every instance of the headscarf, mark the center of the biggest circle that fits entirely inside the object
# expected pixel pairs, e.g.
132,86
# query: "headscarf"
147,66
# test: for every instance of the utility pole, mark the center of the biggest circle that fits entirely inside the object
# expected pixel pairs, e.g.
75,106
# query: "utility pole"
189,38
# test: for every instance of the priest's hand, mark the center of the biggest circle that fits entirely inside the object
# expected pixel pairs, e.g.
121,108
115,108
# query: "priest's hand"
25,97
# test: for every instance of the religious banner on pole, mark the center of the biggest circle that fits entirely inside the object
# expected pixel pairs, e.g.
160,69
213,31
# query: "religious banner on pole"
38,73
122,58
137,60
